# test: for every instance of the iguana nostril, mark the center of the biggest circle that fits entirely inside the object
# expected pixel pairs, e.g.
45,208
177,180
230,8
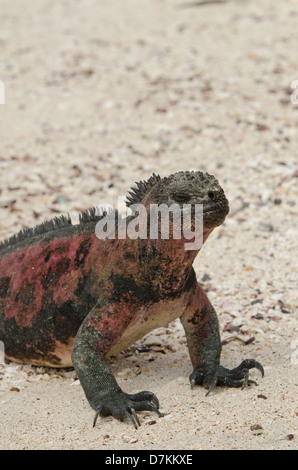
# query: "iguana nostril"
211,194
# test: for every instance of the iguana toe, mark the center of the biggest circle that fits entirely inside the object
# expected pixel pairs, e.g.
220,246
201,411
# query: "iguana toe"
121,405
236,378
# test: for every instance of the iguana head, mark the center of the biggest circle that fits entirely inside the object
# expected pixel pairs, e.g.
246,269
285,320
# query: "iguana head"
184,187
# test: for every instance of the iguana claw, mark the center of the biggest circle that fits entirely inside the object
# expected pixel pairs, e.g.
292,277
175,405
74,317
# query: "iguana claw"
122,404
237,377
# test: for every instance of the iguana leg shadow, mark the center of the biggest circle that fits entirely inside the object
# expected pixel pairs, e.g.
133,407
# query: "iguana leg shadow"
202,333
102,328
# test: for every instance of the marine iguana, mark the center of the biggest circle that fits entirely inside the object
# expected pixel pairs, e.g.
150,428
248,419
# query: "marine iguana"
69,298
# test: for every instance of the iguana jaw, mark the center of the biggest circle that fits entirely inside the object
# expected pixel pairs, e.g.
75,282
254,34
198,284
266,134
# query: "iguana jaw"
215,214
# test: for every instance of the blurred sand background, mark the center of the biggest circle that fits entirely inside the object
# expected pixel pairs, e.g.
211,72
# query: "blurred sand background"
100,94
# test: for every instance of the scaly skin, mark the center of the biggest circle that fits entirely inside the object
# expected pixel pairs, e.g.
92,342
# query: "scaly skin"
67,297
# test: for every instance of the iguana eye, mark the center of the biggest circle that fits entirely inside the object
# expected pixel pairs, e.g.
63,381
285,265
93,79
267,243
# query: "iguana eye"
181,197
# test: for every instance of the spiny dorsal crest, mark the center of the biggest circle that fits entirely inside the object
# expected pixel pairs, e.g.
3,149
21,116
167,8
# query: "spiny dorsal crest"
143,187
47,226
95,214
90,215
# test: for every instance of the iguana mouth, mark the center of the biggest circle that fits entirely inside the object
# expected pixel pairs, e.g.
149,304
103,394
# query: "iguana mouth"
215,214
222,209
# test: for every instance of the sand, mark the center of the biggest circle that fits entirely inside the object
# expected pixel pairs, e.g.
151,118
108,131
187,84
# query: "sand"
99,95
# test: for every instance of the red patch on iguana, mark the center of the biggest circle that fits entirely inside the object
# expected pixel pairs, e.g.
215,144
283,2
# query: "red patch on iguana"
47,269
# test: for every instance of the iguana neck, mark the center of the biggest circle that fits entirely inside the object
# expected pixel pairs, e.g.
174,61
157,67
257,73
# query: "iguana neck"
166,264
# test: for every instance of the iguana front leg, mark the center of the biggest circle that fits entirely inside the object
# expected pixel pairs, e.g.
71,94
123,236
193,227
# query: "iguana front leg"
202,333
101,329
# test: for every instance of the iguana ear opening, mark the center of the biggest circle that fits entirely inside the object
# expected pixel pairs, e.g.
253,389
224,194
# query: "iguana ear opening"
138,193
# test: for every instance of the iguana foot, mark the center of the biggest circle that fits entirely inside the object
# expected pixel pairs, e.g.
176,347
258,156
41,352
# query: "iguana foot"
120,405
237,377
